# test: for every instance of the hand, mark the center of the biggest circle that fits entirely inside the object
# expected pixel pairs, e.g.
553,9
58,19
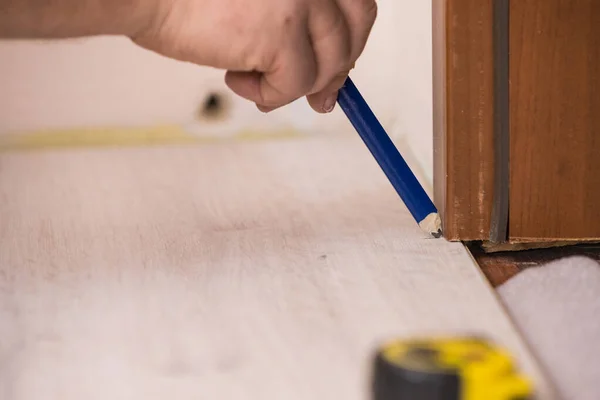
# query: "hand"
274,51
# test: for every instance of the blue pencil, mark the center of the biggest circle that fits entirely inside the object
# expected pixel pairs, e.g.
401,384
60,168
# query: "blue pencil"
389,159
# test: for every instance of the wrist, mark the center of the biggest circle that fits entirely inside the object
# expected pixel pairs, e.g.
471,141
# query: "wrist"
118,17
74,18
132,16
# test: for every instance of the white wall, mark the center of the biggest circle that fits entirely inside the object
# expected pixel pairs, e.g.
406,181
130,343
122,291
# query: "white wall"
110,82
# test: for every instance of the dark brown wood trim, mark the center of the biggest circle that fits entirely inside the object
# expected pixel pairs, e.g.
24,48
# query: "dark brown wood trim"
463,104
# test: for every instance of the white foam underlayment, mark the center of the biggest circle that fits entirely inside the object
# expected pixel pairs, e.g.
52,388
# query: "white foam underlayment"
557,307
265,270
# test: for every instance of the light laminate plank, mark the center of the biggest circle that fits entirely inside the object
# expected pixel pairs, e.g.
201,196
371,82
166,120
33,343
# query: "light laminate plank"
264,270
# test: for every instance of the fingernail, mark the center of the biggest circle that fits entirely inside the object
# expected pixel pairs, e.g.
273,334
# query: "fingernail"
329,104
264,109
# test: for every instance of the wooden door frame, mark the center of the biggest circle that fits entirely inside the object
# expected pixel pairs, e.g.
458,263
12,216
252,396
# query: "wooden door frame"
470,109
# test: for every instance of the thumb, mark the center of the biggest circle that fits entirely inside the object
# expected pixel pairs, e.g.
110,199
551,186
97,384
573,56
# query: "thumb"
292,76
245,84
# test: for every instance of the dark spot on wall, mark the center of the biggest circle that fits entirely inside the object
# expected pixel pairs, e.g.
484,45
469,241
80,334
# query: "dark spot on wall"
215,106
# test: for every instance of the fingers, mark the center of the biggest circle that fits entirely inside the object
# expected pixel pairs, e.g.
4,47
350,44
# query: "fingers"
331,39
315,53
324,101
330,35
292,73
360,15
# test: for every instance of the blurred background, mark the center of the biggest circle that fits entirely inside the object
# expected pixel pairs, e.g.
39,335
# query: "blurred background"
108,83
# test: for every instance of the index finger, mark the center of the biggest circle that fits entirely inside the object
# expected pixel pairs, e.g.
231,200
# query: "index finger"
361,16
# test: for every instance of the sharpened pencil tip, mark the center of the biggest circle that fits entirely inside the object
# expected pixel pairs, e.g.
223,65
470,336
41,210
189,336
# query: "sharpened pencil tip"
432,224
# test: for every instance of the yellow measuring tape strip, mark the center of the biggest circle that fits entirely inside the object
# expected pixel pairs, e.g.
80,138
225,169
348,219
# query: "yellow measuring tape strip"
125,137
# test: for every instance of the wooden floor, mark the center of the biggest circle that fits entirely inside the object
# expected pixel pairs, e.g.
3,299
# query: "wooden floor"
259,270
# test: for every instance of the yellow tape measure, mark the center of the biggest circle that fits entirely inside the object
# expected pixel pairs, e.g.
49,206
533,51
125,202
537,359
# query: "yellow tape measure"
128,137
447,369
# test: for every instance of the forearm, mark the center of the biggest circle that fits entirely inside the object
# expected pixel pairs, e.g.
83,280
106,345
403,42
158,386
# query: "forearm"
72,18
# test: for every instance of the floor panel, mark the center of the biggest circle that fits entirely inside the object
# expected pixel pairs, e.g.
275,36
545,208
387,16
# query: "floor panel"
264,270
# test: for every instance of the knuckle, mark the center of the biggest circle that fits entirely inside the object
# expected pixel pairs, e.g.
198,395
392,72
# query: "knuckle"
365,12
373,11
368,8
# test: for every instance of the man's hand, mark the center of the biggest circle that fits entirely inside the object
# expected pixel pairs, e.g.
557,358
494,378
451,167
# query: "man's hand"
274,51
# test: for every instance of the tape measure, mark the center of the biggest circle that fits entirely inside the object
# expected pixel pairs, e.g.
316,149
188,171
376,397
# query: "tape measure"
447,369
